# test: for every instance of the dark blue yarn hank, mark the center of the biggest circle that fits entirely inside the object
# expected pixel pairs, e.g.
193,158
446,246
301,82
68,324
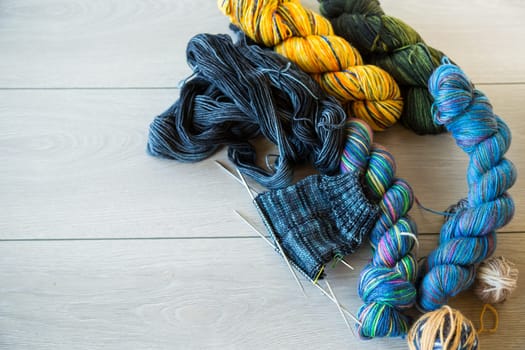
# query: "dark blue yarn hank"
318,218
237,92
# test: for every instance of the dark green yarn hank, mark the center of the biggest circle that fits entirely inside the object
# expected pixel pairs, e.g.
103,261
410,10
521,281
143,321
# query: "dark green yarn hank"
394,46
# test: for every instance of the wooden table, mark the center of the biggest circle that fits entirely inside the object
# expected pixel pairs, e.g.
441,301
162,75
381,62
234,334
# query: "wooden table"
105,247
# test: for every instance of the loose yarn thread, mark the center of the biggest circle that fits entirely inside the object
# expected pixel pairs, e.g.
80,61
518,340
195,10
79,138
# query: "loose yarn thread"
237,92
495,315
445,328
469,236
307,39
393,45
496,279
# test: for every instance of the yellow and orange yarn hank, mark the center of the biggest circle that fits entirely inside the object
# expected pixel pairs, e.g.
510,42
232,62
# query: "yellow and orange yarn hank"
307,39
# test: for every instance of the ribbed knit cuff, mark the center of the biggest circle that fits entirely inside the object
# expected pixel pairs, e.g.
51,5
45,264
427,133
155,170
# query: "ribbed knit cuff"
318,218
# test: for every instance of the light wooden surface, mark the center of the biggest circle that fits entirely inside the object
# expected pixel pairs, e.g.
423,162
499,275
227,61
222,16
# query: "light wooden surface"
104,247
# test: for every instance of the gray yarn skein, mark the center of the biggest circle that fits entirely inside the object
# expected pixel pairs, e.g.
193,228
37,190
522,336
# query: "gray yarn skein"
239,91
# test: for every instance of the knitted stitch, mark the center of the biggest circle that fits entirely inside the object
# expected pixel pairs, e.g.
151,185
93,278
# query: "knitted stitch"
307,39
318,218
393,45
469,236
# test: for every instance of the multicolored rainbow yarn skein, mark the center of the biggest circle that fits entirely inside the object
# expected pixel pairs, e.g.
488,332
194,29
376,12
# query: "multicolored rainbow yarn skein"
469,235
237,92
308,40
393,45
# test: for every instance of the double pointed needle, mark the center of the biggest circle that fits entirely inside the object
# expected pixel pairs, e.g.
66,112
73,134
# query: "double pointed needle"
339,307
269,228
331,297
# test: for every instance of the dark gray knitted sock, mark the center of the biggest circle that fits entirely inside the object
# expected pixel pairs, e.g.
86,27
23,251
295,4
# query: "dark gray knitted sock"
318,218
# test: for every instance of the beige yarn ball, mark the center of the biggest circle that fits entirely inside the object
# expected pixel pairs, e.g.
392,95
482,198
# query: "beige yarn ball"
496,279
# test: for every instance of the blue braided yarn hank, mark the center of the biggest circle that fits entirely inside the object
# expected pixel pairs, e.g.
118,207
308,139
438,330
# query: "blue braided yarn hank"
469,236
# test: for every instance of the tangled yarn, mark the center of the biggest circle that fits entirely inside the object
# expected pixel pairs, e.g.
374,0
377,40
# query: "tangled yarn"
237,92
469,236
445,329
496,279
396,47
307,39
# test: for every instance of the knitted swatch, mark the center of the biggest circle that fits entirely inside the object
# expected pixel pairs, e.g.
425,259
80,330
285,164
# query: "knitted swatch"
469,236
307,39
394,46
318,218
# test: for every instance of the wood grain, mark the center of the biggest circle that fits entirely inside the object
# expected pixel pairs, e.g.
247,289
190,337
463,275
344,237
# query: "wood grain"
139,43
77,168
105,247
191,294
100,43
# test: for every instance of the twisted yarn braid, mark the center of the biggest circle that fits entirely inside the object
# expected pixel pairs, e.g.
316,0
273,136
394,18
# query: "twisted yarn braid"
386,284
394,46
307,39
469,236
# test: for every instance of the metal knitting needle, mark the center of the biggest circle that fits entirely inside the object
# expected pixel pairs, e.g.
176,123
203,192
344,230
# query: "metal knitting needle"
345,310
347,264
245,184
239,180
269,228
339,258
339,307
232,174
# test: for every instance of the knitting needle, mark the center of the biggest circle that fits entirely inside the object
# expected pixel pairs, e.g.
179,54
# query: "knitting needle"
345,310
232,174
245,184
339,258
339,307
346,264
240,180
273,234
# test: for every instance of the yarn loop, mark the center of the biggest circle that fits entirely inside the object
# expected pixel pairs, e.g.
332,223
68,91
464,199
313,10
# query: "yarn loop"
238,92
